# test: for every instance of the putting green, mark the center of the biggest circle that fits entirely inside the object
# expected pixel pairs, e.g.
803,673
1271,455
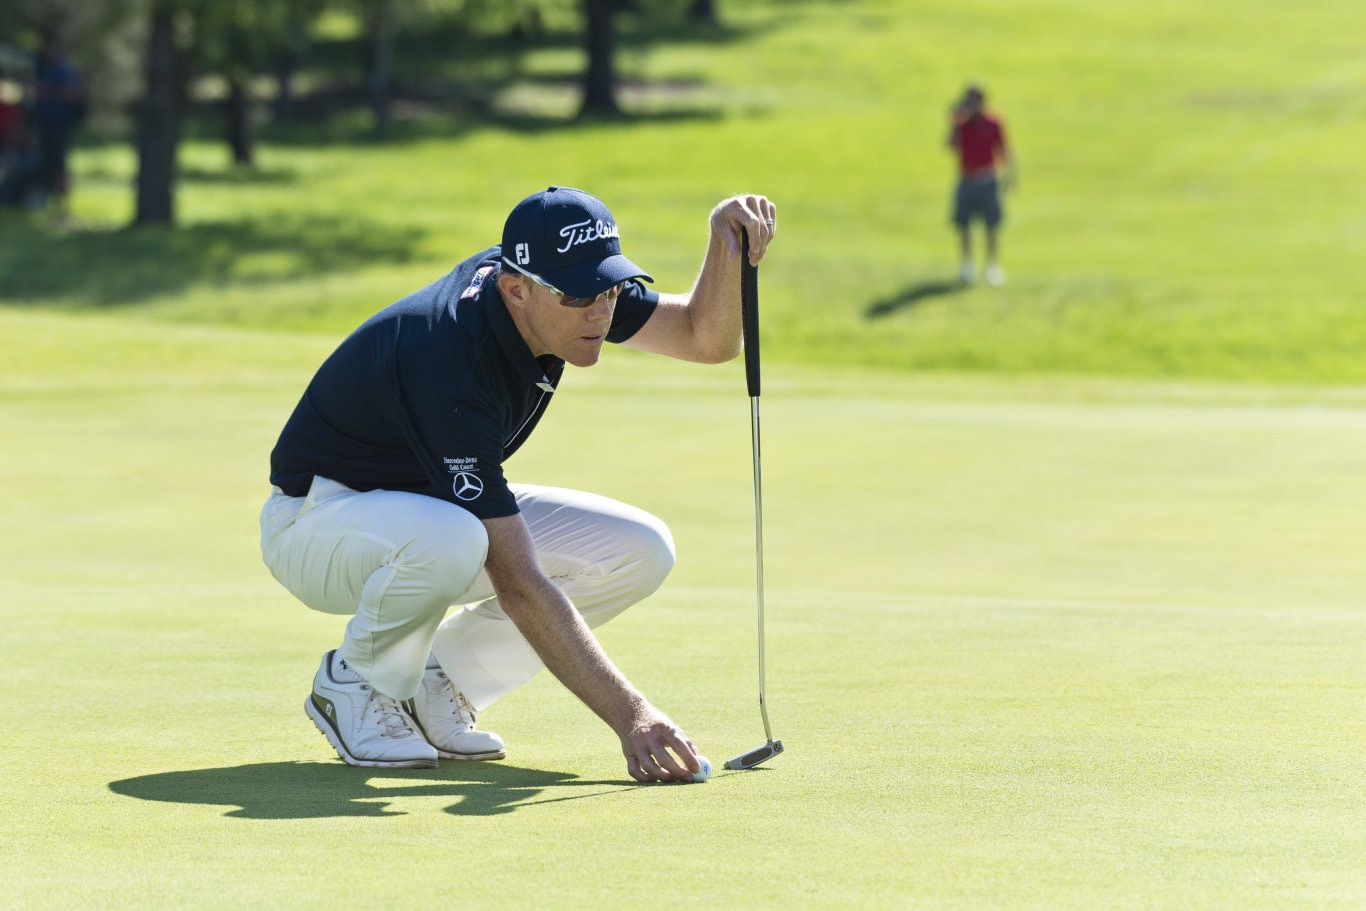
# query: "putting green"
1043,643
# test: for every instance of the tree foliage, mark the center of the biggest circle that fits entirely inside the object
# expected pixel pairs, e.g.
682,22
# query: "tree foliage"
154,58
102,38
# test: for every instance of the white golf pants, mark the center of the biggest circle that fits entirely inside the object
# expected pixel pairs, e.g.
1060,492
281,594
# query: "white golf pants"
397,562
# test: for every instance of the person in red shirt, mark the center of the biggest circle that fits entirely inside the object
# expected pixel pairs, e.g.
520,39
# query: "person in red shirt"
11,120
15,169
985,169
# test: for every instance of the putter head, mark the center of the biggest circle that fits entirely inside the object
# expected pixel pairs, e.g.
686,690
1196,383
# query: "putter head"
755,756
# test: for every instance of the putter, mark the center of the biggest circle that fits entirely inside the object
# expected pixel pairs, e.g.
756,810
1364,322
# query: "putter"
749,309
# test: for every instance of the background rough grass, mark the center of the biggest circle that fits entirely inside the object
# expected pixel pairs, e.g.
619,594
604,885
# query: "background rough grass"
1187,204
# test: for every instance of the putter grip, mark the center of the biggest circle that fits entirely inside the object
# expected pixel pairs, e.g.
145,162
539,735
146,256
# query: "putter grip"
749,314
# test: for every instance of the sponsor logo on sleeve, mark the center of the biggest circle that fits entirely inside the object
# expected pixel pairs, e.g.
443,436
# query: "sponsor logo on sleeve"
467,486
476,284
465,481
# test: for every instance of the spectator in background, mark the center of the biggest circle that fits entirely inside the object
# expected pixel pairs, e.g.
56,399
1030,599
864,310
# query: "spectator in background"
980,141
17,160
58,106
11,123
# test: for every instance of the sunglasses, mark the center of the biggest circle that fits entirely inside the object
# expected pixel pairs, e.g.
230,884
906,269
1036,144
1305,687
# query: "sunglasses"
569,300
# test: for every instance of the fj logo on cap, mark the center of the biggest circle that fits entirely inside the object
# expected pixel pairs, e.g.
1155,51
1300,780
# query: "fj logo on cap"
523,254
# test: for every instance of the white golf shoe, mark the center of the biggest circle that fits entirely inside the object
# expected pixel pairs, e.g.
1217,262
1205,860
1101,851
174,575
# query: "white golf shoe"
366,727
446,718
996,276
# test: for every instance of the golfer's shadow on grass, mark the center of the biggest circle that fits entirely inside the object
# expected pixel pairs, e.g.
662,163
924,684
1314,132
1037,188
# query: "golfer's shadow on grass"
909,297
313,790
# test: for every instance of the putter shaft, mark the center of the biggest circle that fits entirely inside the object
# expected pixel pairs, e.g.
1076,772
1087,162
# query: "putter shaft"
772,747
759,552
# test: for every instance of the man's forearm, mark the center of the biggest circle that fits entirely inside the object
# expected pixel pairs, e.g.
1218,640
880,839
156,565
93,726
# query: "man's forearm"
553,627
570,651
714,301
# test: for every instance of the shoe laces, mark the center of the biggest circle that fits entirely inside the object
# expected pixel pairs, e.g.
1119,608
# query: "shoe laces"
391,716
464,712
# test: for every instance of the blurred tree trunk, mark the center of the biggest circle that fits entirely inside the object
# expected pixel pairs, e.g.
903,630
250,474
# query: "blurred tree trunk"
528,22
380,68
703,11
158,129
237,116
286,66
600,79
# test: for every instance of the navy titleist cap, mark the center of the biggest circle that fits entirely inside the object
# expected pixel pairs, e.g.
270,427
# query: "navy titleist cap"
568,239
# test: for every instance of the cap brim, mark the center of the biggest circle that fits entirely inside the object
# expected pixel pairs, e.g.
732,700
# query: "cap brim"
593,278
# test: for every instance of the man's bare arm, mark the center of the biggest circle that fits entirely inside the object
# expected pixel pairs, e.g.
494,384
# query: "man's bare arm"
703,325
655,749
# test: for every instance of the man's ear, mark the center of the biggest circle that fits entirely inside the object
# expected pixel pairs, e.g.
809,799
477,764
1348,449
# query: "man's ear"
513,289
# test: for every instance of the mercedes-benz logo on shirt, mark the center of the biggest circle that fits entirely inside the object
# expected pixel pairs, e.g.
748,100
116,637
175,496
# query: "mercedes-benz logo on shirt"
467,486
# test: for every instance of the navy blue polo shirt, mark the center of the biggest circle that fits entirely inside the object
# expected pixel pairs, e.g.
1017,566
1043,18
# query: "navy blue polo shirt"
431,395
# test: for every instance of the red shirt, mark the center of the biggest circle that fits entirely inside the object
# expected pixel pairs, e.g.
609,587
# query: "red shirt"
978,139
11,119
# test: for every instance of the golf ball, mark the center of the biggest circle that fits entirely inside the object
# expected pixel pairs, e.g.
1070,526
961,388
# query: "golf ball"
705,773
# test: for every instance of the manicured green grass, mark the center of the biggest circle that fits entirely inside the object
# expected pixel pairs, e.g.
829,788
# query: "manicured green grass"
1186,205
1032,644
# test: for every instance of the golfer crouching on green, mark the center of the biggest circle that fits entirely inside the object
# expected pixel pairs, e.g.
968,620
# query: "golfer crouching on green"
390,506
